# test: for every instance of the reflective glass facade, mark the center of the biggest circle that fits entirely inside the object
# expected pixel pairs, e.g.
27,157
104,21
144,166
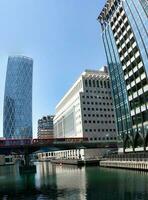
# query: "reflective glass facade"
17,116
125,36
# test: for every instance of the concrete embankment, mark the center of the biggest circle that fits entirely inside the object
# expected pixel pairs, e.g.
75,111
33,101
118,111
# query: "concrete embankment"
76,162
133,165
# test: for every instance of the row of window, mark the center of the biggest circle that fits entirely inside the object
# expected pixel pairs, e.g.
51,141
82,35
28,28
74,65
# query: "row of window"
95,91
140,118
98,109
100,130
104,138
96,103
102,122
96,97
97,83
97,115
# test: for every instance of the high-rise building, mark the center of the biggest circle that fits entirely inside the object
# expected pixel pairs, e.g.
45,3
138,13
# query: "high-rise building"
17,116
87,109
45,127
125,35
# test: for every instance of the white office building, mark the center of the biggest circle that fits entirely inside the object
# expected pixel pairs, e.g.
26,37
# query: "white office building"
87,110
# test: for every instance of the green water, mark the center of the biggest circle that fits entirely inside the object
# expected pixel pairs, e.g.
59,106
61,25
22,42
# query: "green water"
56,182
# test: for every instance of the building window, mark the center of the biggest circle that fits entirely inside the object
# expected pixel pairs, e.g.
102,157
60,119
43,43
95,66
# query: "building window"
101,84
89,83
97,83
94,85
86,83
105,84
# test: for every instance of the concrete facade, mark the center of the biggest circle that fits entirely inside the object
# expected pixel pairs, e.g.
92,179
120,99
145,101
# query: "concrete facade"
45,127
87,109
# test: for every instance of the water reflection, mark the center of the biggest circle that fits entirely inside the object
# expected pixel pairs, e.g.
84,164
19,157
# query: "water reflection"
56,182
116,184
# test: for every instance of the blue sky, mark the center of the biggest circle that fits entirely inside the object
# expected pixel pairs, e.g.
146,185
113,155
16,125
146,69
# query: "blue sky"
62,36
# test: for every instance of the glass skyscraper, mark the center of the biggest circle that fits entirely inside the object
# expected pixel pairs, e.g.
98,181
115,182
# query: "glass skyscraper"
17,116
125,35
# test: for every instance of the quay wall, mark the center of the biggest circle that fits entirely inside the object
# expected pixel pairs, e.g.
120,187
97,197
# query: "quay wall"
134,165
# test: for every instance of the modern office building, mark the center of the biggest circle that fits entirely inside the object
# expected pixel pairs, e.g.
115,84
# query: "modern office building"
87,109
17,116
45,127
125,35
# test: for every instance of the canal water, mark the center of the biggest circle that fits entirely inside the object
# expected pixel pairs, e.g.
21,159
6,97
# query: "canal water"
54,182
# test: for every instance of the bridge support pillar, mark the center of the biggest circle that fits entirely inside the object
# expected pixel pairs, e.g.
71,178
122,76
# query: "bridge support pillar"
27,166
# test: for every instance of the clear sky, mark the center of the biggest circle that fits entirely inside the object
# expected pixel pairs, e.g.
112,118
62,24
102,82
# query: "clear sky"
62,36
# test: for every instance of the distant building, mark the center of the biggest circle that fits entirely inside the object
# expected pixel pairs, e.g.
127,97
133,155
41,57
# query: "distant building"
45,127
17,117
125,35
87,109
